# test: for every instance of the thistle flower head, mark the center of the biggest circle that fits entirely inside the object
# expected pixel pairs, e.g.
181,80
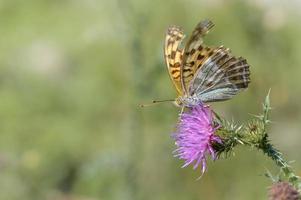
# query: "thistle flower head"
194,137
283,191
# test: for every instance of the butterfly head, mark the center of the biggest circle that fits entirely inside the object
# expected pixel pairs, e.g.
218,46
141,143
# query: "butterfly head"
178,102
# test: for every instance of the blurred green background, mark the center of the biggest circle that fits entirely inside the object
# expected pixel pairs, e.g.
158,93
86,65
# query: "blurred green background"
72,73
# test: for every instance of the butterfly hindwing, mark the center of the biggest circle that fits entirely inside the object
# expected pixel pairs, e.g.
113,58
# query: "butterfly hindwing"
173,55
221,77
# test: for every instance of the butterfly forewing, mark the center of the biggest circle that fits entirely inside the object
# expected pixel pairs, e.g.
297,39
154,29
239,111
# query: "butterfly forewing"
195,53
173,55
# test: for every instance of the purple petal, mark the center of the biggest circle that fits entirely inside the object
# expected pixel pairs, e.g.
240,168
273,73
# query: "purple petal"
194,137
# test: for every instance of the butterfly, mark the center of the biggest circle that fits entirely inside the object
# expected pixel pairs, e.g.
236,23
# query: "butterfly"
200,73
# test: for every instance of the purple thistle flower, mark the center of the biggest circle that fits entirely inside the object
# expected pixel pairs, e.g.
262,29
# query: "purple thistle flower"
194,137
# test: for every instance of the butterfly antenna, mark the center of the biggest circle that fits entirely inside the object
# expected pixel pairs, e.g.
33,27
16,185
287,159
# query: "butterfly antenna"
154,102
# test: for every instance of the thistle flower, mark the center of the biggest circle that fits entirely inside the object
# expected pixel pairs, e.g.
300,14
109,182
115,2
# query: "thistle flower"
194,137
283,191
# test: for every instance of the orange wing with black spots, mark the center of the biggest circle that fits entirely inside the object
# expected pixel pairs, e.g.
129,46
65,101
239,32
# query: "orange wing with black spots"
174,55
195,53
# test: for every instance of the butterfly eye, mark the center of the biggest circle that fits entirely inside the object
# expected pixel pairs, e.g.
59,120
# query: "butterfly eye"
178,102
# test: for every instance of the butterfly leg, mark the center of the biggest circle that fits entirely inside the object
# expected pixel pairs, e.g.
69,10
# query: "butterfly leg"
182,110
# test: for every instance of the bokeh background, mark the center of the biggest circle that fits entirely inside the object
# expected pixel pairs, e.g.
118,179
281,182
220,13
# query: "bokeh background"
72,73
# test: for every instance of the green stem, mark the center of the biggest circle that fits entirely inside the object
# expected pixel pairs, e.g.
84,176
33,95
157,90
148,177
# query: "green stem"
269,150
255,134
233,138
